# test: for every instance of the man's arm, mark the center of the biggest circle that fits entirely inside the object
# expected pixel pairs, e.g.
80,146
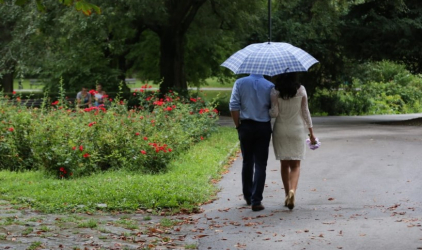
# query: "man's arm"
234,105
236,117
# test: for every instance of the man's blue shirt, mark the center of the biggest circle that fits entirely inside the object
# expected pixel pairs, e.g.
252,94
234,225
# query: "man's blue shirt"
251,96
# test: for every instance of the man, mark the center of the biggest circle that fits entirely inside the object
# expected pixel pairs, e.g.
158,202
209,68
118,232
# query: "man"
83,98
249,106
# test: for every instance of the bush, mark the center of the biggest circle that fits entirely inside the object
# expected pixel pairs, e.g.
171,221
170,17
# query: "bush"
70,143
379,88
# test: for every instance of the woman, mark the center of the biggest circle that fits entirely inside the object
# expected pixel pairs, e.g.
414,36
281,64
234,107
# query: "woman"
99,95
289,104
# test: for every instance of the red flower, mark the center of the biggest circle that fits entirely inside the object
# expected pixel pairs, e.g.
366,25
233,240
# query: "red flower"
11,129
168,109
141,117
193,99
92,123
86,155
143,152
145,138
93,92
55,103
62,169
159,103
81,148
137,133
191,112
202,138
170,150
215,111
152,121
74,148
14,92
134,93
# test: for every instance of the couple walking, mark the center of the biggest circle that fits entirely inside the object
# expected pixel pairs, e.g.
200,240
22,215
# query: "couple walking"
253,102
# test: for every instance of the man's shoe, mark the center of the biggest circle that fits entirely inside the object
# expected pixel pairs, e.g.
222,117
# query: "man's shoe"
257,207
248,201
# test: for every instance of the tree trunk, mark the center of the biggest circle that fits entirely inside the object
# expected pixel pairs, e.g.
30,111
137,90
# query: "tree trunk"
7,82
172,61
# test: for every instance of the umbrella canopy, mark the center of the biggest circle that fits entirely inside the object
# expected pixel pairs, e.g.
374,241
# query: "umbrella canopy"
269,58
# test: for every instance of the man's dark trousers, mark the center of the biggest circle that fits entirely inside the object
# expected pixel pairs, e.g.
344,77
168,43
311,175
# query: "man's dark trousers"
254,140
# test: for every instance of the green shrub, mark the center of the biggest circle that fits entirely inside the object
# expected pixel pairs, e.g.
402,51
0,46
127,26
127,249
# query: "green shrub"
70,143
378,88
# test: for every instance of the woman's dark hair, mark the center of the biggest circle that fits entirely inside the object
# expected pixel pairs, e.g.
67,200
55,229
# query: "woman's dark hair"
287,84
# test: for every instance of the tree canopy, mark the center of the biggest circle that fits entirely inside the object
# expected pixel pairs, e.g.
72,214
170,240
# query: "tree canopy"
181,43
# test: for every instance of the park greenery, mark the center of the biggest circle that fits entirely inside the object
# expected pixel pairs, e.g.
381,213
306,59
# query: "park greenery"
183,43
161,154
161,148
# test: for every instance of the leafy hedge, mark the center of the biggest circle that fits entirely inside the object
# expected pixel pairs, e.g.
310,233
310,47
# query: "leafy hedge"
381,88
71,143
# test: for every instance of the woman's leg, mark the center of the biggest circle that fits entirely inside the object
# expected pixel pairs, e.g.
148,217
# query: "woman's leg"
285,175
294,174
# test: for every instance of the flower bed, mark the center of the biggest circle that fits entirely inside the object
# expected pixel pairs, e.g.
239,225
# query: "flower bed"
69,143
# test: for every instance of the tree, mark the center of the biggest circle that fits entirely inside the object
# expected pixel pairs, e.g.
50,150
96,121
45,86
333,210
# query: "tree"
314,26
171,22
385,29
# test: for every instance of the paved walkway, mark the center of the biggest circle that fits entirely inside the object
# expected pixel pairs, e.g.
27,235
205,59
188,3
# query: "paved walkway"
360,190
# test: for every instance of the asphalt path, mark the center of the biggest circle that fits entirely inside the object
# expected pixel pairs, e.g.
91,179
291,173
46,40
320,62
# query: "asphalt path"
360,190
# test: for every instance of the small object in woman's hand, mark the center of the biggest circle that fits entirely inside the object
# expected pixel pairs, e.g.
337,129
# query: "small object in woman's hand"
314,145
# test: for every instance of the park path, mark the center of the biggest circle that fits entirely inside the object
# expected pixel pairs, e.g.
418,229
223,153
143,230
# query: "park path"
360,190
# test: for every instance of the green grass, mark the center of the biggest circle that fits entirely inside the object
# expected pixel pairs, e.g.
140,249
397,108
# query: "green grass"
186,184
213,83
35,245
88,224
210,83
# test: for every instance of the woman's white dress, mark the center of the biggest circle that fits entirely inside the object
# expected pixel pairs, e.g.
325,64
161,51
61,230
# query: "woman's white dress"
290,127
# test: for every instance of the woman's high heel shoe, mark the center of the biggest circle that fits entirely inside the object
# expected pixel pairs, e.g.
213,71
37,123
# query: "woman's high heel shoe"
291,200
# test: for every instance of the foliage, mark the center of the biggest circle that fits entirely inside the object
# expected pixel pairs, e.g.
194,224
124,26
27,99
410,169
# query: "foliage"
186,184
313,26
72,143
375,30
381,88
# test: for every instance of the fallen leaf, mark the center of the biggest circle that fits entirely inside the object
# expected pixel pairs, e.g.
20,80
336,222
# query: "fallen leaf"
250,224
330,199
200,236
362,234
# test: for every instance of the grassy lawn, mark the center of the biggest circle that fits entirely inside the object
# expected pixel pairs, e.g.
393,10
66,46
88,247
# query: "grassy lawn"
187,183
